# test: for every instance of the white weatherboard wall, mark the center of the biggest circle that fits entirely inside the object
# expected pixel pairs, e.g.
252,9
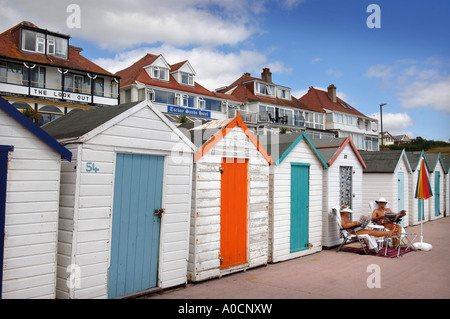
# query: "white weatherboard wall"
31,225
331,194
87,198
376,185
280,203
204,249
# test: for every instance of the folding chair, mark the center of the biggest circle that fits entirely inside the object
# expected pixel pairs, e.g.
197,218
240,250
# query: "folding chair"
403,239
367,242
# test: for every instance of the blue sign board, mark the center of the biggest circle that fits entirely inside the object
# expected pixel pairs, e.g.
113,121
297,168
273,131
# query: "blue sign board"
188,111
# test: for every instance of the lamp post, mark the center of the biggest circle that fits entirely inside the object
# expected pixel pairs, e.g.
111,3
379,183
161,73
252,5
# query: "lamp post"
381,119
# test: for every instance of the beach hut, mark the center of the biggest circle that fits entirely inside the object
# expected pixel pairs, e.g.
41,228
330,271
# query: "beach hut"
418,211
446,160
295,209
387,175
125,202
437,181
30,162
230,199
342,183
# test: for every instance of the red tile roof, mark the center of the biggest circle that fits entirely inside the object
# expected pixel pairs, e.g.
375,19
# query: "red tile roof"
317,100
137,73
9,48
243,90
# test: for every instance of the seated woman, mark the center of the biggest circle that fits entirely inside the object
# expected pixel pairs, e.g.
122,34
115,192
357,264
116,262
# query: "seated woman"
379,217
348,224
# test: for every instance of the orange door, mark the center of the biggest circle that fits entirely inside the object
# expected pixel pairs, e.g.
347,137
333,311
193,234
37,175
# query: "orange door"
233,213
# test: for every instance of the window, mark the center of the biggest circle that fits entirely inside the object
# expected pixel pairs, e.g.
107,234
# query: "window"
99,87
37,76
265,89
160,73
284,94
164,97
61,47
299,119
49,113
12,73
40,43
33,41
187,78
51,46
213,105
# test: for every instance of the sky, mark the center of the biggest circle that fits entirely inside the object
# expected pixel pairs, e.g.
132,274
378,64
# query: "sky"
396,52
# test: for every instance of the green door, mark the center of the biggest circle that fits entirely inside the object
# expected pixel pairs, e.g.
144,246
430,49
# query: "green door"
299,207
437,180
401,193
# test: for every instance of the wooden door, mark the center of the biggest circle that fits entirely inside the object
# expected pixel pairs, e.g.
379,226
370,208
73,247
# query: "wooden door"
233,212
299,238
135,226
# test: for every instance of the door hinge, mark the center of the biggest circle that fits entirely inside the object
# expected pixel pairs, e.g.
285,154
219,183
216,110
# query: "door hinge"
159,212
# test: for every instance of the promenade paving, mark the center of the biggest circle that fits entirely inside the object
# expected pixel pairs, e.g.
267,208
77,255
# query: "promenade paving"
330,275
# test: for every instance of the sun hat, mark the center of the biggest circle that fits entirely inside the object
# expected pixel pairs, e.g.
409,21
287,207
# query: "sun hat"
381,200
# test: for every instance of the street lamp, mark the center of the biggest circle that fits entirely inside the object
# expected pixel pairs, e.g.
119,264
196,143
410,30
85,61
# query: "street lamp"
381,118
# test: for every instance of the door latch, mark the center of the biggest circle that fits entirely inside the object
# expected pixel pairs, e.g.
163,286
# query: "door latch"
159,212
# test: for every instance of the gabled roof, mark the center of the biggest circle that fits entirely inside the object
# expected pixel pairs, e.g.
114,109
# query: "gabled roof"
414,160
318,100
243,90
79,127
280,145
216,130
384,161
35,129
433,160
136,73
446,160
9,48
331,148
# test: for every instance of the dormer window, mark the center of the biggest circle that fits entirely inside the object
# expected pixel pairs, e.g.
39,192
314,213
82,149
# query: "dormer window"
160,73
38,42
187,78
265,89
284,94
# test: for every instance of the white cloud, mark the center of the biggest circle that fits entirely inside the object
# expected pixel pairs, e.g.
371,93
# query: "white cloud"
315,60
395,123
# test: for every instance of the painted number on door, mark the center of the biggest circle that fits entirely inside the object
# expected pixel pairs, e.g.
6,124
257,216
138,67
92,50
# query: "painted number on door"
90,167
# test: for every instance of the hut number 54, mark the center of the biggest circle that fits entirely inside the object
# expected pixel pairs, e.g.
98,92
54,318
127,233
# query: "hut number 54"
90,167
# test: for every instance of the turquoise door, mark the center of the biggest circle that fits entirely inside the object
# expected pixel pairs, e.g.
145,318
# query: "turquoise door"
299,207
437,179
135,226
401,193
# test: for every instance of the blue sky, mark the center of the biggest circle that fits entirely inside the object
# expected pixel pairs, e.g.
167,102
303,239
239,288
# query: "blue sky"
405,63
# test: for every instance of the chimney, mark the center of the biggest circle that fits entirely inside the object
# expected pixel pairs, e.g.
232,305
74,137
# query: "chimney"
266,75
332,93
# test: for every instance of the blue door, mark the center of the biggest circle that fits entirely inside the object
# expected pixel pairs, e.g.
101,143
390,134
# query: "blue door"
299,236
401,193
437,179
135,226
3,177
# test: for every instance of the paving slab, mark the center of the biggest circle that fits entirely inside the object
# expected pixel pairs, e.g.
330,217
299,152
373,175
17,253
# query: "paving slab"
334,275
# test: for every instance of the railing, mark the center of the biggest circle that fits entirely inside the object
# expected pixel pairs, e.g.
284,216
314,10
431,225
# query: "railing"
247,116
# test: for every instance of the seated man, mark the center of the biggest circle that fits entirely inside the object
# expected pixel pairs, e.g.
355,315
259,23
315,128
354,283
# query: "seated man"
379,217
348,224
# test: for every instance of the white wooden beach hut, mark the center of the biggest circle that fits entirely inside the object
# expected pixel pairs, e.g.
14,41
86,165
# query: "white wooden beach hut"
296,205
230,200
437,181
342,183
418,208
387,175
30,163
125,202
447,185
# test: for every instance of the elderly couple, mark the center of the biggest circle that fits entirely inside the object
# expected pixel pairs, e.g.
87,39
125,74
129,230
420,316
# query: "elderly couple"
379,217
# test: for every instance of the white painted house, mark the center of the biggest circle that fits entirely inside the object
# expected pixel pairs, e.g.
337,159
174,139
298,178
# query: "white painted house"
387,175
296,205
125,202
342,183
437,181
30,162
230,200
418,208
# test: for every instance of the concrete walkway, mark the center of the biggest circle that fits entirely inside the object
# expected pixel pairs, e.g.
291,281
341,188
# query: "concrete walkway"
328,274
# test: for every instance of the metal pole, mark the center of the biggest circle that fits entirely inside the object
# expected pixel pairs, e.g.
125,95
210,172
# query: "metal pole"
381,118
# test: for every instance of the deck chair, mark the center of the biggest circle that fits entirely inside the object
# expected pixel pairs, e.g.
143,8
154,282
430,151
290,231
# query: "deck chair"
367,242
404,239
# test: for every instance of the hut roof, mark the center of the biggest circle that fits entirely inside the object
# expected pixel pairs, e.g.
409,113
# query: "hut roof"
331,148
383,161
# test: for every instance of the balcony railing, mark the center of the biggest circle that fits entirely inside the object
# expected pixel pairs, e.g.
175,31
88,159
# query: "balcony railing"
247,116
